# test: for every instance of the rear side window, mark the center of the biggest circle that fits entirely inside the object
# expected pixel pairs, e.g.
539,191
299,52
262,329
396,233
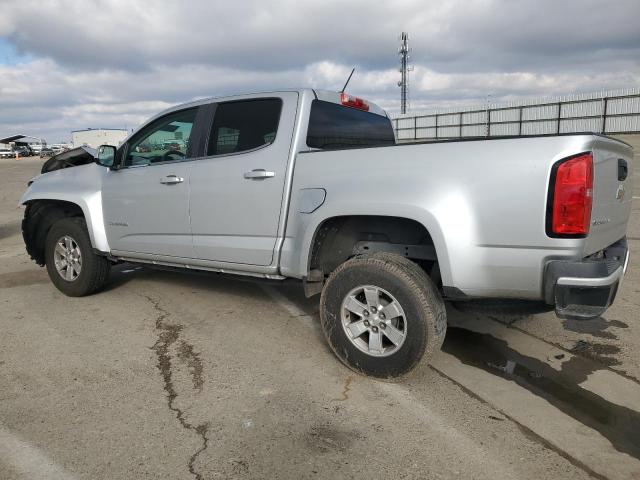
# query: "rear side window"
333,126
244,125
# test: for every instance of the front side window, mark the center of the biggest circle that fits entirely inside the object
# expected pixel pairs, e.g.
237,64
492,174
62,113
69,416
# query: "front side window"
244,125
165,140
333,126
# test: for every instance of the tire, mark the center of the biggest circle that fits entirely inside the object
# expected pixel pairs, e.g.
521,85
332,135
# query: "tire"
94,269
415,326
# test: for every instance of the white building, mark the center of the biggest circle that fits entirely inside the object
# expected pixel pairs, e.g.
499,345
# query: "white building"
94,137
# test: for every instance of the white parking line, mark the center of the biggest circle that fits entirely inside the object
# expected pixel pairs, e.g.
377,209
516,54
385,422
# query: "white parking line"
583,445
28,460
289,306
500,467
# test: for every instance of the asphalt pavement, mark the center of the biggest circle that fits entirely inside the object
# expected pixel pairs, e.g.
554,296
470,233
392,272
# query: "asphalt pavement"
183,376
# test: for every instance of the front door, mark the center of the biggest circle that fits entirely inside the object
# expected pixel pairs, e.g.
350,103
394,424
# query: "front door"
237,190
146,201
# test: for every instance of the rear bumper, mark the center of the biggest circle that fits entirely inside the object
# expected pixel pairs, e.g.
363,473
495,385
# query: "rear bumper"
584,289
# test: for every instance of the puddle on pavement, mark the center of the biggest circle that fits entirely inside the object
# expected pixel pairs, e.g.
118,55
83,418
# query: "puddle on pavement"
600,352
597,327
325,438
620,425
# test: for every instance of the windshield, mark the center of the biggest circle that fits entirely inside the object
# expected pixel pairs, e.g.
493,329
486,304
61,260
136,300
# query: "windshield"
333,126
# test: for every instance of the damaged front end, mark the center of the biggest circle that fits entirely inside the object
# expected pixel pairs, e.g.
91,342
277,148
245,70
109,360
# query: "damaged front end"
70,158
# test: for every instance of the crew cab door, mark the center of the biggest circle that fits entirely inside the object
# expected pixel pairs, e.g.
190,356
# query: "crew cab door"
237,190
146,200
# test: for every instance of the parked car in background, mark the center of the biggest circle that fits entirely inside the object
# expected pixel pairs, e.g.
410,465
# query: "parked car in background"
22,151
7,153
46,152
37,147
59,148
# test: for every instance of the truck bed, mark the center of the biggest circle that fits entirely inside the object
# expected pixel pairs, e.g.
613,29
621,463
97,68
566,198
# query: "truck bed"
483,201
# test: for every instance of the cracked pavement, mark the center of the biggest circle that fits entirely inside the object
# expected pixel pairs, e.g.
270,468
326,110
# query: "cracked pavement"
169,375
169,335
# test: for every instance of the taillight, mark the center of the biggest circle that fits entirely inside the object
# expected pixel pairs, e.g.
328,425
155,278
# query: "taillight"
572,187
353,102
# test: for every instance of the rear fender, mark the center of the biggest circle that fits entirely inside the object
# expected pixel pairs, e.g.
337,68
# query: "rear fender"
310,226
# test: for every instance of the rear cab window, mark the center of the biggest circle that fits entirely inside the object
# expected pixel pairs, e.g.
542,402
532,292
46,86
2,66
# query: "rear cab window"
334,126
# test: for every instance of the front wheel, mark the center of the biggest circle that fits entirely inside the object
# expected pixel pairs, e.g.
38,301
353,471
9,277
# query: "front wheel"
381,314
72,265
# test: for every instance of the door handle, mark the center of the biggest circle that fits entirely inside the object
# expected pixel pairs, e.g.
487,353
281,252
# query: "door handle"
259,174
171,180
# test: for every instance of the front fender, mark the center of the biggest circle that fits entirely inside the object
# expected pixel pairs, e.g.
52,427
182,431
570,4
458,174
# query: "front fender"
82,186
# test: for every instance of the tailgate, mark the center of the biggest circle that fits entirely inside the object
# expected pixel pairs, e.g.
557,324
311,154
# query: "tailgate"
612,193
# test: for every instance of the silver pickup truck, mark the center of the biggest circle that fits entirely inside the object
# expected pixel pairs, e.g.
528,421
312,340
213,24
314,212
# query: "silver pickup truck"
311,185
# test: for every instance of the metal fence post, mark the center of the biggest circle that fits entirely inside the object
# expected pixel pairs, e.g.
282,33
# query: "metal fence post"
415,128
488,122
520,122
559,116
604,114
460,125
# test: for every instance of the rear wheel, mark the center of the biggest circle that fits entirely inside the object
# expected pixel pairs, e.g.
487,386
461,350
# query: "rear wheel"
72,265
381,314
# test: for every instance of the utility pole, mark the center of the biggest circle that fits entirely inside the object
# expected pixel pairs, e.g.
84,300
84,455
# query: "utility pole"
403,51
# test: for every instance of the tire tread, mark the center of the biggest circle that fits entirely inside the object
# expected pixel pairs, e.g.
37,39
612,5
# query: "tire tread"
420,287
97,267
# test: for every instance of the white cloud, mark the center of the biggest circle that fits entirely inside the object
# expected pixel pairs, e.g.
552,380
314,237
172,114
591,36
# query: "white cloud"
113,63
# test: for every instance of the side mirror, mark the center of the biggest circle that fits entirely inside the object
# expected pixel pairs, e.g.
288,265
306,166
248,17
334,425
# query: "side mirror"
106,155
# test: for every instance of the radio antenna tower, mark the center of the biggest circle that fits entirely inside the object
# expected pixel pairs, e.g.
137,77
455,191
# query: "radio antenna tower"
403,51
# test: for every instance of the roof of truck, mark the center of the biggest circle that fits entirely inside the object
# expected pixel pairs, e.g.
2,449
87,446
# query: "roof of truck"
326,95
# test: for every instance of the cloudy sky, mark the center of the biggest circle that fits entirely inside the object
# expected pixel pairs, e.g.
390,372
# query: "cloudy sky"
72,64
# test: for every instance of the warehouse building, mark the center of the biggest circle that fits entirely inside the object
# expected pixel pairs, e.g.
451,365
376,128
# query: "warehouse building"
94,137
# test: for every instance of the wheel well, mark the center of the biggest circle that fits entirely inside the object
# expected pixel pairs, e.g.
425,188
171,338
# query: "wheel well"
39,216
340,238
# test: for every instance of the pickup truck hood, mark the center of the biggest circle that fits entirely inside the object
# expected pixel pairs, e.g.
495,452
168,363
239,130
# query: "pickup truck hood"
71,158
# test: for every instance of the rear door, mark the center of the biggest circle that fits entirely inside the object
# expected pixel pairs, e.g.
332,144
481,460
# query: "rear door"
237,190
146,201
